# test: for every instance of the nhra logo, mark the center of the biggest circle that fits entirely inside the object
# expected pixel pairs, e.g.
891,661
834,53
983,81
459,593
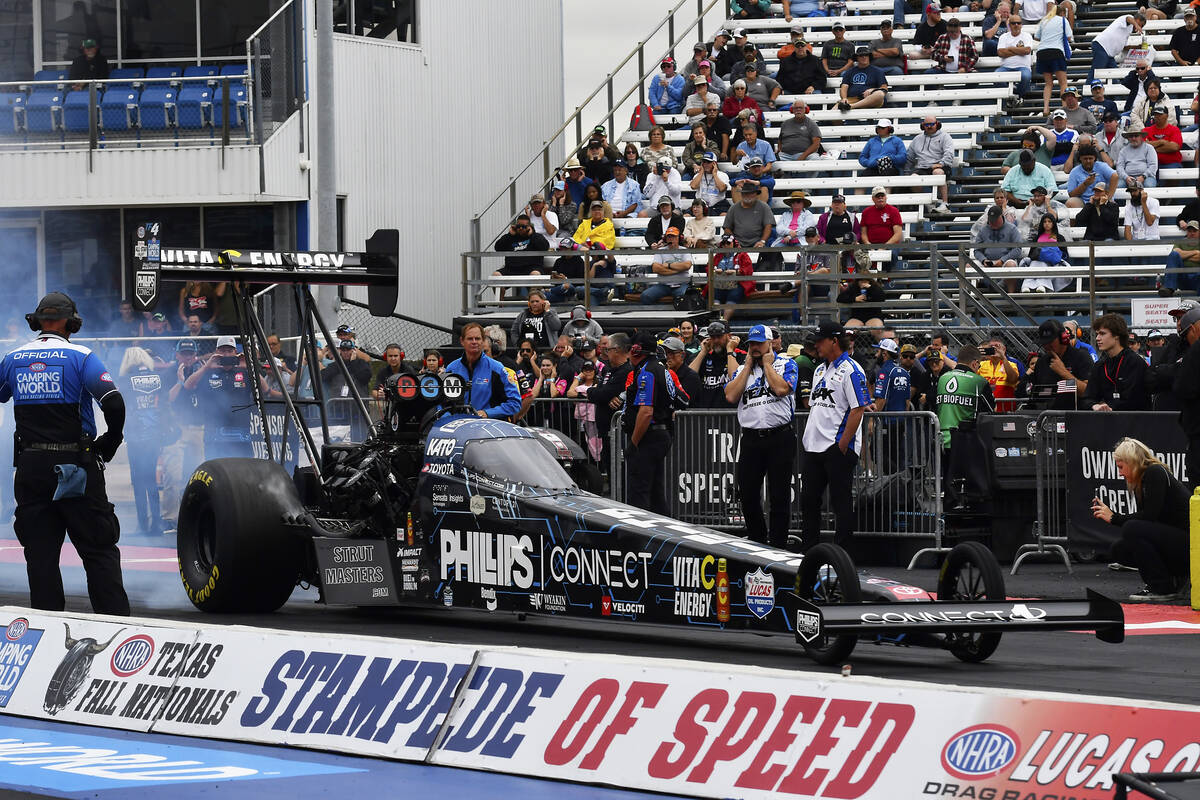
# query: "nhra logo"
980,751
131,655
15,654
37,366
16,629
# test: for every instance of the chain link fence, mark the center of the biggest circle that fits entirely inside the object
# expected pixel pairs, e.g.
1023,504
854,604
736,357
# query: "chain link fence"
274,57
412,334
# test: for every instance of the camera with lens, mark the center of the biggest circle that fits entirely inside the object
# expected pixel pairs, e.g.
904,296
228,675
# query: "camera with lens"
990,350
227,361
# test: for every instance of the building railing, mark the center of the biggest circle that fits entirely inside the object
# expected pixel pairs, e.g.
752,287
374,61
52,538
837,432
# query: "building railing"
275,61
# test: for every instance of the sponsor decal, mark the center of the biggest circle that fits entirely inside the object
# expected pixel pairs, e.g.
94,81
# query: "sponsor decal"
408,583
37,366
488,595
490,559
41,384
621,607
358,565
694,572
693,604
722,591
448,596
440,469
446,498
1019,612
146,384
587,566
440,448
478,504
760,592
455,424
980,751
541,601
20,640
605,605
131,655
808,625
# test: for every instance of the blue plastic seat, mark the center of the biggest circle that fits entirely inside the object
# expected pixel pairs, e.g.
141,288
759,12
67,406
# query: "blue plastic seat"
59,75
165,72
195,105
125,77
237,106
201,71
119,109
157,109
11,104
43,110
75,110
235,71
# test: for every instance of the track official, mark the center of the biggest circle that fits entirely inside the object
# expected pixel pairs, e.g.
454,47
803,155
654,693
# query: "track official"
833,435
59,484
764,389
648,425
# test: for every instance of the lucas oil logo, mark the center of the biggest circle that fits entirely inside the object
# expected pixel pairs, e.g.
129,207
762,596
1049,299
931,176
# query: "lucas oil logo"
980,751
760,592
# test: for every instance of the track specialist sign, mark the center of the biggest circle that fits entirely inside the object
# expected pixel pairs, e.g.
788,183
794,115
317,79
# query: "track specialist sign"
1091,471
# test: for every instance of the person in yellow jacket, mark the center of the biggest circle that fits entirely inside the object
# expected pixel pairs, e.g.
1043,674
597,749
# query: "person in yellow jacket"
596,229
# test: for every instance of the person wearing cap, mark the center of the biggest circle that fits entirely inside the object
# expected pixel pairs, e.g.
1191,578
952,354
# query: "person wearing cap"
697,99
799,136
892,393
887,52
1165,360
752,146
1097,104
666,216
749,9
812,262
764,388
932,153
756,178
884,153
666,89
1137,160
1057,376
543,220
1015,49
675,268
791,224
750,57
750,221
1078,117
597,230
1154,338
839,226
925,380
1182,270
676,362
953,51
89,65
864,85
837,55
623,194
224,398
1018,183
561,206
694,150
59,479
577,181
832,436
1100,216
1187,390
692,68
1002,373
1000,201
596,164
763,89
610,151
1185,40
1031,140
715,363
962,395
1140,217
710,184
880,222
728,53
663,181
1108,140
740,108
1042,204
998,242
1117,381
1089,173
1109,44
648,423
863,297
1054,40
929,30
701,229
1165,138
1059,141
526,244
800,72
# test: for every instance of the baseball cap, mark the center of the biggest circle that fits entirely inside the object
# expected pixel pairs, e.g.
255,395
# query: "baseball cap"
537,198
1109,117
1183,307
345,344
668,61
1026,157
1070,90
717,328
600,129
775,334
671,231
595,141
672,343
721,32
888,345
754,161
739,33
838,198
699,79
839,26
1160,109
1058,114
798,29
1049,331
829,329
878,190
1039,190
596,204
994,213
862,51
810,231
343,328
751,66
1154,333
560,185
665,199
748,46
1190,11
934,355
758,333
884,123
885,23
89,43
933,8
185,344
710,156
1191,223
699,47
226,341
1097,84
1189,319
703,63
908,350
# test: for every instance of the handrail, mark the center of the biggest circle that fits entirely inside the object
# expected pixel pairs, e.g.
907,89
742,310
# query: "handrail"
270,19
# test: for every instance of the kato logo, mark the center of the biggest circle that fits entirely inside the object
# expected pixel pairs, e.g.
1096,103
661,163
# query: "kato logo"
131,655
980,751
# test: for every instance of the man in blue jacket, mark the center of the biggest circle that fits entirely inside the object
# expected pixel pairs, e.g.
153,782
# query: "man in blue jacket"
666,90
491,388
884,153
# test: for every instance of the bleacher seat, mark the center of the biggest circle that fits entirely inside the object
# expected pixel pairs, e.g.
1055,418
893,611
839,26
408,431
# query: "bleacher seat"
235,71
165,72
237,106
119,110
195,105
157,109
76,108
43,110
125,77
202,71
58,75
9,104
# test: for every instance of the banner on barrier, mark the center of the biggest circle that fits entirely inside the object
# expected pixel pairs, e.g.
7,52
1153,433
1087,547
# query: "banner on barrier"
635,723
1091,471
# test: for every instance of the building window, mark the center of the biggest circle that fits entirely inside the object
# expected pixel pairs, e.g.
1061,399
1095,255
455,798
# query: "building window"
16,40
66,23
392,20
83,259
225,26
158,30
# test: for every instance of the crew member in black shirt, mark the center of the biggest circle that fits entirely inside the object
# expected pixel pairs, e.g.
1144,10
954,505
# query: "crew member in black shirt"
1057,375
649,414
1118,380
1165,361
689,380
715,364
1187,391
609,394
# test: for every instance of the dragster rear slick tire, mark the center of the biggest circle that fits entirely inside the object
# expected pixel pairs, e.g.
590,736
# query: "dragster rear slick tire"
971,572
235,555
837,584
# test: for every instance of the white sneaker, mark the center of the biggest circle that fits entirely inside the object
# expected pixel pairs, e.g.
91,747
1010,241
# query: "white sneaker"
941,207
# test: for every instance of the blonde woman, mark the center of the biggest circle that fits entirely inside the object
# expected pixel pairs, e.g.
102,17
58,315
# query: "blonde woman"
1154,539
1054,42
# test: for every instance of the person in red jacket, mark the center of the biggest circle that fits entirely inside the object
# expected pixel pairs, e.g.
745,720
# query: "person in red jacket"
1166,140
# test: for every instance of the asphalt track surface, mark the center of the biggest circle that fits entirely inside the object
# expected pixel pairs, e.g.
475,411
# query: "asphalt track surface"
1150,664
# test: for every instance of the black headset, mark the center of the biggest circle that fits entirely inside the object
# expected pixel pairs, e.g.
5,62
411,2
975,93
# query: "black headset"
64,309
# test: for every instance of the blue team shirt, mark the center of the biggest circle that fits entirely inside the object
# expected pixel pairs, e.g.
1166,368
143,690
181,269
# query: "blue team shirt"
893,386
52,383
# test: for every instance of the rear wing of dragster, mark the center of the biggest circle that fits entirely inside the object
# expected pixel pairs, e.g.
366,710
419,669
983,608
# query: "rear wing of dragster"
1097,613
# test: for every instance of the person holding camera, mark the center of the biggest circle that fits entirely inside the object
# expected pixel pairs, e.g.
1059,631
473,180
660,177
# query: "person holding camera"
764,390
1099,218
1057,375
1118,380
1001,372
664,180
224,396
1141,217
711,184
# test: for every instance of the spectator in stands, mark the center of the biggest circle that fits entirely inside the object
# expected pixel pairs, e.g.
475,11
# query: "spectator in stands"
594,194
1057,376
667,216
521,238
750,56
665,180
837,55
727,53
994,26
1078,118
563,208
1184,255
596,164
1143,109
710,184
763,89
676,269
197,328
718,89
1141,218
1100,217
596,231
1040,205
1118,379
863,85
1109,142
954,51
1000,244
749,221
536,323
928,31
863,299
837,225
801,72
791,225
581,325
726,268
1031,141
334,381
799,136
887,52
639,170
701,229
1086,176
697,101
599,132
197,297
694,150
1015,48
812,262
543,220
739,101
657,150
1185,41
1166,139
577,182
1109,44
749,9
1154,538
717,129
880,222
1098,105
692,68
1000,201
622,193
753,147
666,89
1019,182
126,324
1135,82
1002,373
759,177
89,65
932,153
1054,39
277,352
884,153
1045,253
568,271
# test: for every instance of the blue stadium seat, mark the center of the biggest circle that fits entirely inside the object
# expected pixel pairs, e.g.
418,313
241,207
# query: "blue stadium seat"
157,109
119,110
43,110
237,106
236,71
202,71
165,72
50,75
125,77
10,102
75,110
195,105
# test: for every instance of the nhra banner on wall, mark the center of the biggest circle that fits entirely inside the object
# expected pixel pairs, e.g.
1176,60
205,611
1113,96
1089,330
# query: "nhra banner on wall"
645,724
1091,471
